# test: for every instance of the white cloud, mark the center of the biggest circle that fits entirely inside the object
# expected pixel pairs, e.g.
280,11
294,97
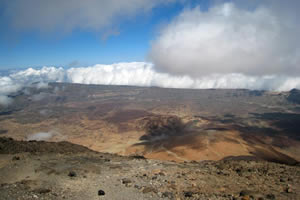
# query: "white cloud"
228,38
5,101
7,85
44,75
138,74
39,96
16,81
67,15
40,136
144,74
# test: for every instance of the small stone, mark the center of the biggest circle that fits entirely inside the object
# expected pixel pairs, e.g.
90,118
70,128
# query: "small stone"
16,158
245,193
148,189
138,157
188,194
288,190
42,190
270,196
281,180
162,173
167,195
101,193
126,181
137,187
72,174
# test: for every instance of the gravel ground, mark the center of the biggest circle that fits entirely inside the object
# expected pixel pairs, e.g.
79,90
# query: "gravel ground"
86,174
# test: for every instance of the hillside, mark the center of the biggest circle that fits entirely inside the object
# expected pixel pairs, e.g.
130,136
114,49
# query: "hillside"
34,170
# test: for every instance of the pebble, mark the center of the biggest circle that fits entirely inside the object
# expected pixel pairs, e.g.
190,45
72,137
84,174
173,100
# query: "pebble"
270,196
148,189
246,193
137,187
16,158
188,194
101,193
288,190
167,195
42,190
126,181
72,174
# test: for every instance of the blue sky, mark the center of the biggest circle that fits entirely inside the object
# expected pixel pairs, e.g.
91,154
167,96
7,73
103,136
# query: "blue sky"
79,47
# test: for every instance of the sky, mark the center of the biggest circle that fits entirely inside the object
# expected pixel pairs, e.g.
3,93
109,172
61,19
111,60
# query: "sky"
252,44
35,44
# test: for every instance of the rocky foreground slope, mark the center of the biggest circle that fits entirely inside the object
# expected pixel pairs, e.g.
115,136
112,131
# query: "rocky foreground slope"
44,170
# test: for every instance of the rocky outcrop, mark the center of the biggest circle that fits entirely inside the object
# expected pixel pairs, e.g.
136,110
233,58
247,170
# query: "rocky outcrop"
10,146
294,96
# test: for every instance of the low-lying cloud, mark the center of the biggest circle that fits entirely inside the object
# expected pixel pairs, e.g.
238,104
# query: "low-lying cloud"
137,74
16,81
5,100
7,86
257,40
40,136
144,74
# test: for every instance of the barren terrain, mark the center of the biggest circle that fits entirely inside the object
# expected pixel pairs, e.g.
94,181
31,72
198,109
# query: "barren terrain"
43,170
165,124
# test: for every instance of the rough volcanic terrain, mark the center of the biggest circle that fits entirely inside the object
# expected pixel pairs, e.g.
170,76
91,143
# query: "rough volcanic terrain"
179,125
48,170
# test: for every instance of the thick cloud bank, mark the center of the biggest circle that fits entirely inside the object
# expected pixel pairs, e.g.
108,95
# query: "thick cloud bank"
67,15
16,81
231,38
144,74
136,74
